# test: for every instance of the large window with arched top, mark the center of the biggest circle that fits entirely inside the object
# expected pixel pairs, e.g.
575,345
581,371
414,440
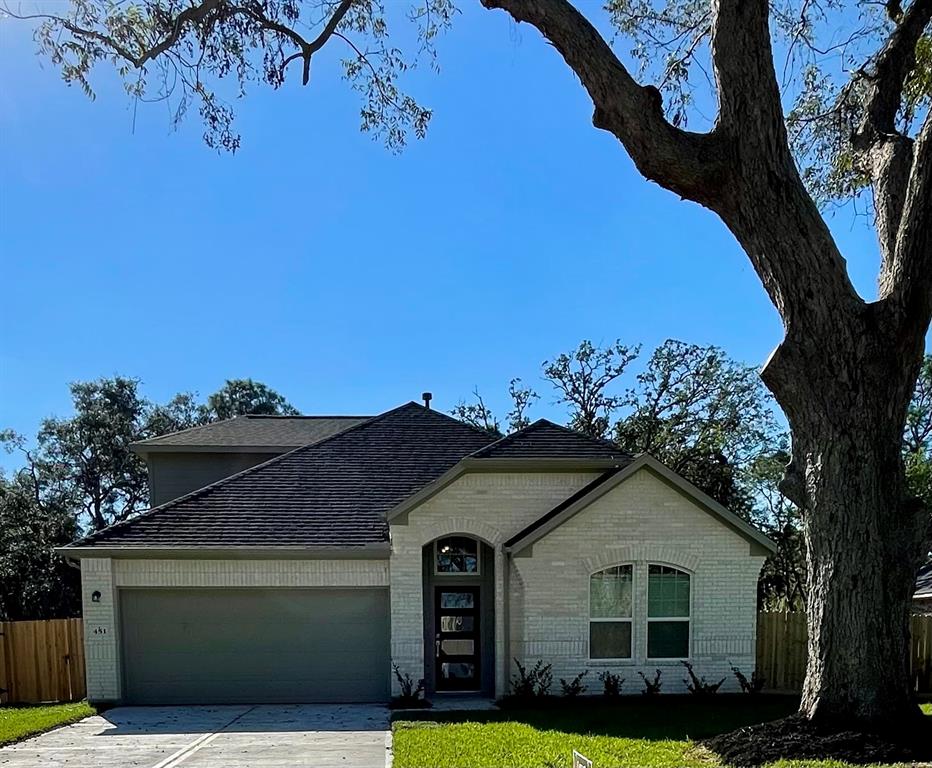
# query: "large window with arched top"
668,608
611,601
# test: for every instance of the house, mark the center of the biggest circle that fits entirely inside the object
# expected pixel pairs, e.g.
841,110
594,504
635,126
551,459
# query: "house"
344,546
922,599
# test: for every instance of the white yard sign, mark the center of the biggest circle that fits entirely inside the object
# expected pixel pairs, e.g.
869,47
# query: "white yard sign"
581,762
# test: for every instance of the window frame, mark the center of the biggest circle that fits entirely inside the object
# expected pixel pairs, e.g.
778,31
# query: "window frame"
629,659
458,574
688,619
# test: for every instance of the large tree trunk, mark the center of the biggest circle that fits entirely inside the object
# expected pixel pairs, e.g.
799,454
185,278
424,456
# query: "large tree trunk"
864,538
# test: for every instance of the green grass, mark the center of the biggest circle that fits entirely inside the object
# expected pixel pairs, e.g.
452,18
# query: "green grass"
19,722
656,733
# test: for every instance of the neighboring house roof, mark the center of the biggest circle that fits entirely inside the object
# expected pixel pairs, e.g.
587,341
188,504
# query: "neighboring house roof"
924,583
613,478
334,493
544,439
253,432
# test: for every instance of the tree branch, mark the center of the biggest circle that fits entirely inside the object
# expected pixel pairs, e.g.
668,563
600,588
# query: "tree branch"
686,163
886,153
906,282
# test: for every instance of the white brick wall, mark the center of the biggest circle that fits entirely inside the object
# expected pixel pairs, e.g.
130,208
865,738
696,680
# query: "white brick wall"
491,506
250,573
101,620
101,631
642,520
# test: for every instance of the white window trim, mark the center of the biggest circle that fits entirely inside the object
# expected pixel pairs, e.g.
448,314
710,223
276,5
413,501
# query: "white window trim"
459,574
689,619
610,620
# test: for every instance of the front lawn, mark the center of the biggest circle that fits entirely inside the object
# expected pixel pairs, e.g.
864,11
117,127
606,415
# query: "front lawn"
19,722
655,733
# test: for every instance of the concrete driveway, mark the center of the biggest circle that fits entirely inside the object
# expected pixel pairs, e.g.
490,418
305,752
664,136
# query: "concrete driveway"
262,736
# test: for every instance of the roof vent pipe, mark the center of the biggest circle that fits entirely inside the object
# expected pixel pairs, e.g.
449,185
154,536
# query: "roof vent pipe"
427,398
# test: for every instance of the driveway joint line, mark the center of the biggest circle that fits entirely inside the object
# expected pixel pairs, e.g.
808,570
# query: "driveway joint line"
201,741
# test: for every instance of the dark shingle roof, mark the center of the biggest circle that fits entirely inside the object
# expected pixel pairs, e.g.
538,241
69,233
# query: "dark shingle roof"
544,439
333,493
924,582
256,432
591,486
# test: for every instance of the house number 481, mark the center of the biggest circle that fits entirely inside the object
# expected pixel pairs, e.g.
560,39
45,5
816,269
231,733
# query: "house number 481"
100,630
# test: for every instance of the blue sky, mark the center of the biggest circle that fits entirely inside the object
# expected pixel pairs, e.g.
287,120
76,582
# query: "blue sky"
348,278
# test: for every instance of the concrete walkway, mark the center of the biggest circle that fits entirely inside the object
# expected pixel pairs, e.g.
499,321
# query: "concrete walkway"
262,736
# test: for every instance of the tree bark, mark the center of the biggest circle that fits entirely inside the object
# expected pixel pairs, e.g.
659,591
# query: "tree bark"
865,539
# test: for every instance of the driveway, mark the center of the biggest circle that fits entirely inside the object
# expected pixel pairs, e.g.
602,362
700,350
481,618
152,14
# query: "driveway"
262,736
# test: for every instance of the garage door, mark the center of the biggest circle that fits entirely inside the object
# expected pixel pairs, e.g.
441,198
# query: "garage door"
215,646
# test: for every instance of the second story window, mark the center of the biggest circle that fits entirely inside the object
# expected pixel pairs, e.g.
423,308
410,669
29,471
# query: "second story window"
455,555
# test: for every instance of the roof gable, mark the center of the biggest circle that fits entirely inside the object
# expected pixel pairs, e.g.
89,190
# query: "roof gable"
544,439
613,478
333,493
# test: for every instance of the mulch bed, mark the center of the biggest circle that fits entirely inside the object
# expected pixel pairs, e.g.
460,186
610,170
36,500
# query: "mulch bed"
795,738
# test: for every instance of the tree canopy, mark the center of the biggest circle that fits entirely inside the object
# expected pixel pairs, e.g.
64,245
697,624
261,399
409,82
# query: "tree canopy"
80,475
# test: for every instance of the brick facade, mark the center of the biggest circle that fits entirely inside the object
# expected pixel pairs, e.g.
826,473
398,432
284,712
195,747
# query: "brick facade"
641,521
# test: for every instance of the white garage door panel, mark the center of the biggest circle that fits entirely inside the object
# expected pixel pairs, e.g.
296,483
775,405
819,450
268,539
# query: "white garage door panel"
214,646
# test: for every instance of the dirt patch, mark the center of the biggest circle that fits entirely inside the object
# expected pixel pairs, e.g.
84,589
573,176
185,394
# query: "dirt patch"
795,738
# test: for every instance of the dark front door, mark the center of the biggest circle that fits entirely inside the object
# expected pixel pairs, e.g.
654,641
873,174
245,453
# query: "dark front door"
457,638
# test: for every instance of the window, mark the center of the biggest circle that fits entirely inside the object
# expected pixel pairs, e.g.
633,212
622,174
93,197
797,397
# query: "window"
456,554
610,602
667,613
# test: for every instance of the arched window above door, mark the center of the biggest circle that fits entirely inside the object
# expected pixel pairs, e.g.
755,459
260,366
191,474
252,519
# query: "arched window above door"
456,555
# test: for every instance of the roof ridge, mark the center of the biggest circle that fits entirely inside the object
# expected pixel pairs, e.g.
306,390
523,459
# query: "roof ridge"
182,431
294,416
249,470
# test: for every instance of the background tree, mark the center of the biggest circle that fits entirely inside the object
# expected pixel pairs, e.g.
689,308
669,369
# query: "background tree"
705,416
81,476
35,517
238,397
582,380
846,368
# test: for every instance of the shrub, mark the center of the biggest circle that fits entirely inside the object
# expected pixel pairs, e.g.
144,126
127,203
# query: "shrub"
651,687
574,687
698,685
411,696
532,682
611,683
754,685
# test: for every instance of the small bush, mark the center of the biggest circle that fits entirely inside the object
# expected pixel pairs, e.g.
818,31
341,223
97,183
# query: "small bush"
412,693
754,685
611,683
698,685
651,687
574,687
533,682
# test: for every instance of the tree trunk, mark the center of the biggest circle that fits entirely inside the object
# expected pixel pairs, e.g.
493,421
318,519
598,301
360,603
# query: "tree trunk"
846,401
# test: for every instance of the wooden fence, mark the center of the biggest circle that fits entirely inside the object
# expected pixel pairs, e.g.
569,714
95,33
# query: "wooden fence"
44,660
41,661
781,650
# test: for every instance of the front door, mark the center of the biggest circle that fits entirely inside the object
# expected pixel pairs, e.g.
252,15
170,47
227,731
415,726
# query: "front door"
457,638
